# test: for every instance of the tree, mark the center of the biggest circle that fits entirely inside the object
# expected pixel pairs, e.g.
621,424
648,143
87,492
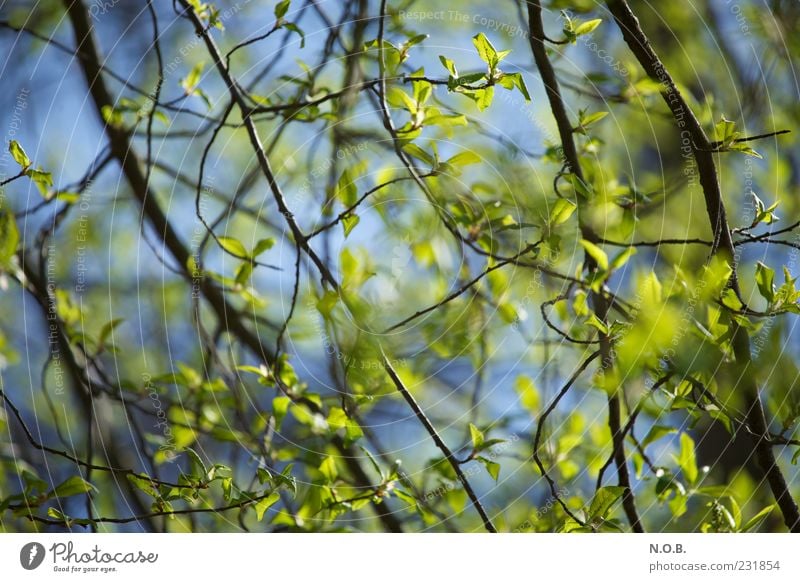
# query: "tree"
397,266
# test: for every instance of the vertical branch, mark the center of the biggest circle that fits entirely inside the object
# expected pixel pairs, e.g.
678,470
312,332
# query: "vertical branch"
640,46
599,302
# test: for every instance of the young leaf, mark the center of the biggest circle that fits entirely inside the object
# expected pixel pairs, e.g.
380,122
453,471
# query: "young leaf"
492,467
686,458
263,246
19,154
262,505
486,51
327,302
42,179
449,65
603,500
561,211
484,97
476,436
417,152
596,253
725,132
622,258
464,159
328,469
349,222
587,27
190,81
511,80
9,237
756,520
346,190
528,394
765,278
73,486
281,8
233,246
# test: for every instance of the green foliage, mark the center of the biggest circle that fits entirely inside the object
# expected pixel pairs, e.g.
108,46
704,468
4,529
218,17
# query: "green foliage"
401,273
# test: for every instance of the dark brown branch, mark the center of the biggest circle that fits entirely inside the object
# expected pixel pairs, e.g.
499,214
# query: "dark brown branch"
123,152
255,141
565,130
640,46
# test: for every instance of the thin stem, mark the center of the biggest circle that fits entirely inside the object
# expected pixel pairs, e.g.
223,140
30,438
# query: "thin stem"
448,454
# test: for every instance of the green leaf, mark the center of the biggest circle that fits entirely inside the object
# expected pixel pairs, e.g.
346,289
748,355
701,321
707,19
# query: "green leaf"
765,278
327,302
346,191
686,459
484,97
415,40
657,432
336,418
297,30
107,328
349,222
596,253
585,121
262,505
190,81
756,520
464,159
328,469
263,246
511,80
449,65
196,464
580,186
561,211
144,485
476,436
486,51
528,394
73,486
622,258
588,26
745,149
399,98
446,120
281,8
492,467
725,131
593,118
9,237
42,179
56,514
597,323
233,246
731,300
352,431
19,154
603,500
417,152
68,197
280,405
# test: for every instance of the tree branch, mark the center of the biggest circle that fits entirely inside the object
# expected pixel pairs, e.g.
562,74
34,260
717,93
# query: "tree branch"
448,454
685,119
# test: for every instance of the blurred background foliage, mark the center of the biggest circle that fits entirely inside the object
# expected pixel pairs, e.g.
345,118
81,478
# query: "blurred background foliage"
313,435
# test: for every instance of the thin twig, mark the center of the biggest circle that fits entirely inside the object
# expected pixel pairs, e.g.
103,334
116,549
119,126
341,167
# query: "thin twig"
448,454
